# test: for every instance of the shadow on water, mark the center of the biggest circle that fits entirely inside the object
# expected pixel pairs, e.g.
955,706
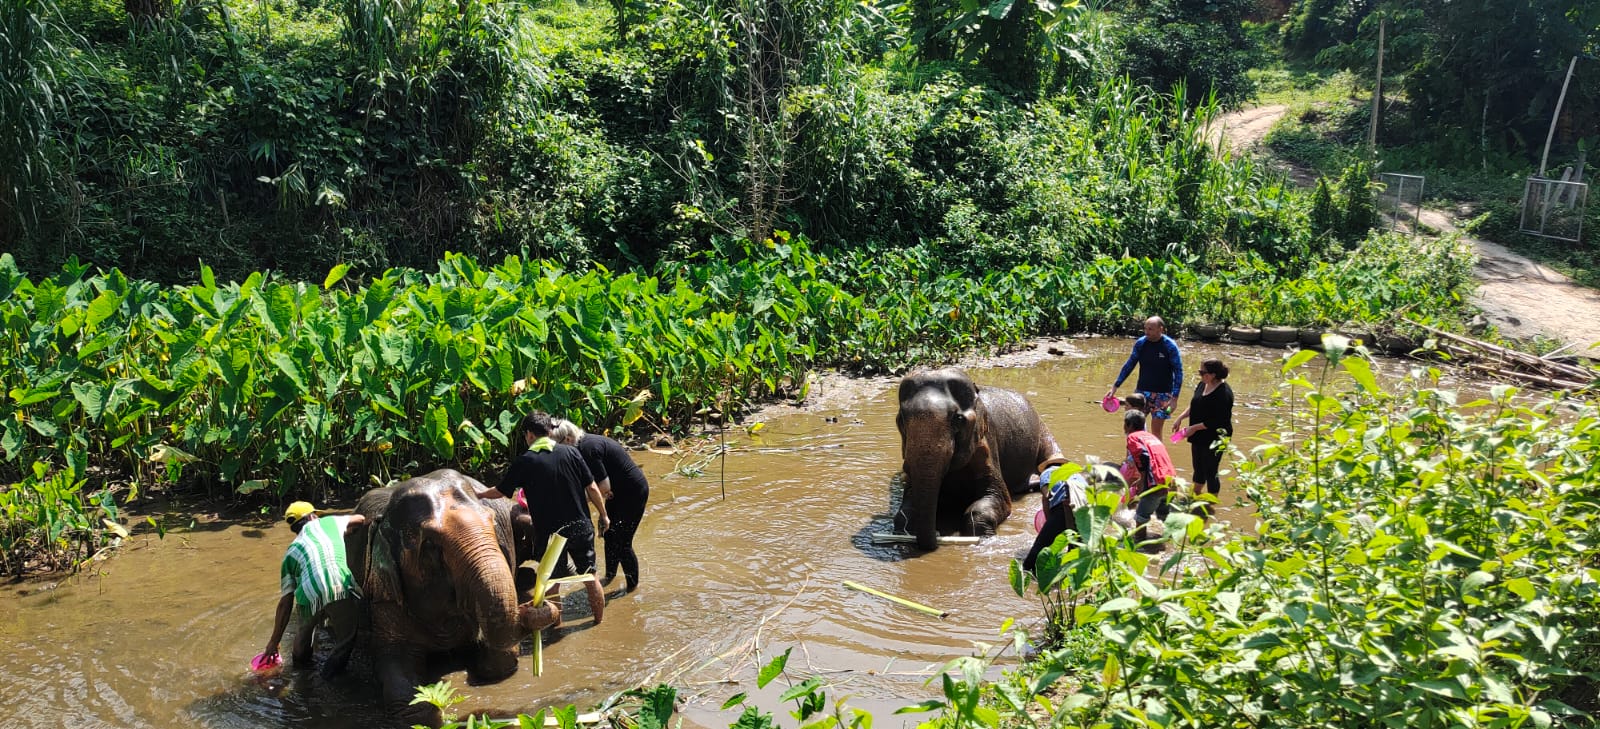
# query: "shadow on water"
888,522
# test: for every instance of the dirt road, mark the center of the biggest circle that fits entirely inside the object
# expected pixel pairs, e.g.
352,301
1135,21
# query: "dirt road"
1522,298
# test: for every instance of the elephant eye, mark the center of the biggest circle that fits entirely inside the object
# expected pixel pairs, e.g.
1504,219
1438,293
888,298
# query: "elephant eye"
958,417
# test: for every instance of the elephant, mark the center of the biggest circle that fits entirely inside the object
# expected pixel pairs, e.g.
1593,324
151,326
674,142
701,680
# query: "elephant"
967,450
436,573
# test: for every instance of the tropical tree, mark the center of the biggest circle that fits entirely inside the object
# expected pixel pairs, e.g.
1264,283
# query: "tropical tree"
1490,71
1200,43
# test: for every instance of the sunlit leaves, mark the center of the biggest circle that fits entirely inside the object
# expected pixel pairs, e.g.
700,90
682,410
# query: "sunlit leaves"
436,433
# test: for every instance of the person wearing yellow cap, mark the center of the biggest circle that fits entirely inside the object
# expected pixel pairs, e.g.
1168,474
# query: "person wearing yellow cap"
316,579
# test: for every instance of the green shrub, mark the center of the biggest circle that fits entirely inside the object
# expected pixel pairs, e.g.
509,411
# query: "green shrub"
274,383
1415,563
1358,204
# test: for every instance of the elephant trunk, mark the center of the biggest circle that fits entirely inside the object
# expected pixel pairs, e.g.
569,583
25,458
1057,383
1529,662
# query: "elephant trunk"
928,449
486,587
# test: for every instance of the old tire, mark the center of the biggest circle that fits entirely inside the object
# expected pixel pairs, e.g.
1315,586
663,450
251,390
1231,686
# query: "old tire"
1311,336
1244,333
1397,343
1209,331
1279,335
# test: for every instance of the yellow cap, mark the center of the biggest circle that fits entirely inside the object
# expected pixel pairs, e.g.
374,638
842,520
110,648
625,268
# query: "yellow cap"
297,511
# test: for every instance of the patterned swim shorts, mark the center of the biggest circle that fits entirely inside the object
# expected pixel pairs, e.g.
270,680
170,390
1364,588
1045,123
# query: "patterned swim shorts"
1160,404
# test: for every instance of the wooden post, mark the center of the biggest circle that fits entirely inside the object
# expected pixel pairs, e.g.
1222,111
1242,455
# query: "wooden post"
1377,94
1545,158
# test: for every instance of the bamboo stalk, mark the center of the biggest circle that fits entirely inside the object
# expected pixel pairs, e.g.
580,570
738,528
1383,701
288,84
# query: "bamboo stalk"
1537,379
547,564
919,607
1528,360
1548,372
887,538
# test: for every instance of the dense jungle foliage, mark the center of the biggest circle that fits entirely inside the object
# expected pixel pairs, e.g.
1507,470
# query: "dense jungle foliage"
299,134
1477,77
114,385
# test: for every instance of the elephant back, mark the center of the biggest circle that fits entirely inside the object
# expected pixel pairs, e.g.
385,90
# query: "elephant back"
1017,436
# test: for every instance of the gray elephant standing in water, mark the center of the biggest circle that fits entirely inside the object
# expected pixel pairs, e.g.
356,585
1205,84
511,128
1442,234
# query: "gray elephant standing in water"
967,450
436,567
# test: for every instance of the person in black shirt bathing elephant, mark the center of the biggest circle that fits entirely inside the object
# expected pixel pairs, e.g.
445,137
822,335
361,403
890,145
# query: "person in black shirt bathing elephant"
624,486
1210,415
555,481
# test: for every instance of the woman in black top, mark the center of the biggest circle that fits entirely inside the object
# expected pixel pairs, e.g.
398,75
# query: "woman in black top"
624,486
1210,415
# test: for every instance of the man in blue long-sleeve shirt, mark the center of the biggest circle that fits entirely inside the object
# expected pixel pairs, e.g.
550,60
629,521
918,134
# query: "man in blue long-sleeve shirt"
1160,372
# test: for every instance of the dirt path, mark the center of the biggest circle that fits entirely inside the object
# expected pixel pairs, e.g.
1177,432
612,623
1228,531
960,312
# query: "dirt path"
1522,298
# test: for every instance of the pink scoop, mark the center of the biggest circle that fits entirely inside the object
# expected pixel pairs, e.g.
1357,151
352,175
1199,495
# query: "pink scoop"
1038,521
264,662
1111,403
1179,434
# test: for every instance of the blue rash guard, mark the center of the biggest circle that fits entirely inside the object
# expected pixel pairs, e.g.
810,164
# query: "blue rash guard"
1160,366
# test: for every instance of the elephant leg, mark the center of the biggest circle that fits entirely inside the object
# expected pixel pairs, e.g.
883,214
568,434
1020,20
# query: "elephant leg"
398,674
985,515
492,665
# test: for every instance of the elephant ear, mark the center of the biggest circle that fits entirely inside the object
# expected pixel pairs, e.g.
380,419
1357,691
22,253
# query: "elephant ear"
382,581
980,431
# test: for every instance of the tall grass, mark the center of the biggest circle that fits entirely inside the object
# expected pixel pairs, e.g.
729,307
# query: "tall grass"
30,58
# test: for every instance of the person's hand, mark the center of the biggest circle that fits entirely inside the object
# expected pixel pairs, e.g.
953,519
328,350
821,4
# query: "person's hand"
1111,392
606,492
605,523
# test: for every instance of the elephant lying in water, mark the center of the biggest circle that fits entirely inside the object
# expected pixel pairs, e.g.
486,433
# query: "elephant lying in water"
967,450
436,567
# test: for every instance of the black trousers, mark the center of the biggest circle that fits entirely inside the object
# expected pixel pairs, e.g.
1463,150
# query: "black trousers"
1207,460
579,557
626,514
1056,522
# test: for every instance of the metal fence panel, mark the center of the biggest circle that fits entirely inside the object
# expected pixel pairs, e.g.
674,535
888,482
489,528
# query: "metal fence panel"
1400,200
1554,208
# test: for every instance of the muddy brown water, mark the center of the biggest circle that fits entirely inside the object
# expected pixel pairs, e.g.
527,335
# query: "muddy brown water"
159,635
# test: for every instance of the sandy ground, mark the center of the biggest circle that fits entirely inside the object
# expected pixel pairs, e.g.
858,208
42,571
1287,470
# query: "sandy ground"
1520,297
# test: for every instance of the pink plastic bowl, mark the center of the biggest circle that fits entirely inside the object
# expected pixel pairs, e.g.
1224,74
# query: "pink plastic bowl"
1111,403
1038,521
264,662
1179,434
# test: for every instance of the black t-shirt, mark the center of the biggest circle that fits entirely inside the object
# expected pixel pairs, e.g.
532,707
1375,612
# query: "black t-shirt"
608,458
1215,410
554,482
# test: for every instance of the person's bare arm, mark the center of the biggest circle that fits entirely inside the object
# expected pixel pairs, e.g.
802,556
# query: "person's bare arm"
280,622
605,487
